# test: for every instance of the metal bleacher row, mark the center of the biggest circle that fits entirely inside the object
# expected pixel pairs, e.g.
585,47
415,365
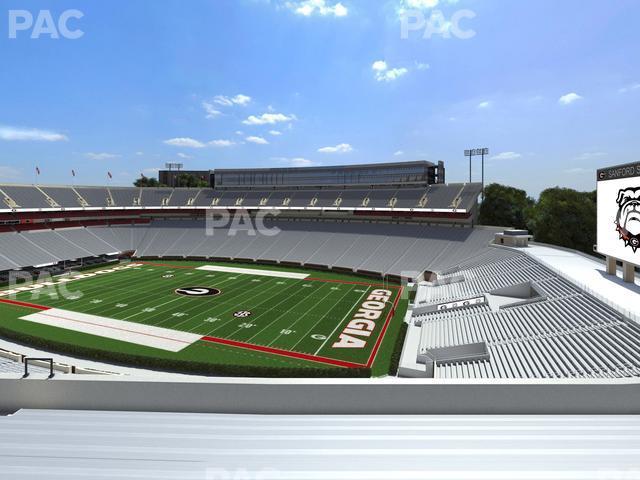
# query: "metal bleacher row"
453,196
566,333
392,249
381,248
43,247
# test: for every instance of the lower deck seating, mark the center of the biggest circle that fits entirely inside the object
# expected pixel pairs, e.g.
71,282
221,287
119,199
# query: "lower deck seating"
378,248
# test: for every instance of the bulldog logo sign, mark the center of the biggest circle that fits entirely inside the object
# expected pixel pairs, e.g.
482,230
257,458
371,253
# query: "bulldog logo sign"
628,217
618,209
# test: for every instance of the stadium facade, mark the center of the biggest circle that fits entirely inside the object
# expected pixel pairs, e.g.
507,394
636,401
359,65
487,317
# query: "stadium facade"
478,309
418,173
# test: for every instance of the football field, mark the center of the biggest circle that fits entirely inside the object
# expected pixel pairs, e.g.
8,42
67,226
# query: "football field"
217,312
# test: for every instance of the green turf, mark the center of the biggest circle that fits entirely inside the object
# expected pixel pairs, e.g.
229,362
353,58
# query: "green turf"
304,316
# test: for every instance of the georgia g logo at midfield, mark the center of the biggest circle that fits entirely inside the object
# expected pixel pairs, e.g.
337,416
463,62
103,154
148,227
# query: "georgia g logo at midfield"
198,291
628,217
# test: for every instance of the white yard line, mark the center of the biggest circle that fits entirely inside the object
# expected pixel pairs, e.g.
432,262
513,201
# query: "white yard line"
303,315
254,306
357,304
265,312
196,305
349,290
279,317
155,307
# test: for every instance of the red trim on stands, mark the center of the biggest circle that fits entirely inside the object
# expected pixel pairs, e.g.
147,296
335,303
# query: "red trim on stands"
133,213
200,212
28,225
376,213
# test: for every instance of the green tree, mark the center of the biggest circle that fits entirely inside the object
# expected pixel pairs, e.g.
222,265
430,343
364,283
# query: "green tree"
565,217
146,182
505,206
189,180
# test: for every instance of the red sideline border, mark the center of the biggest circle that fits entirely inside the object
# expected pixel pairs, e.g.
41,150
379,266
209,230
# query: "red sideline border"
24,304
283,353
390,315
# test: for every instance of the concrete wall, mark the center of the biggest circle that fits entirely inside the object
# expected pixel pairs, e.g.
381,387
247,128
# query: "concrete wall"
303,396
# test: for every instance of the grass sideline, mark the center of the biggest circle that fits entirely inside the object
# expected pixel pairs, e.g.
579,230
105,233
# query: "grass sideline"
397,351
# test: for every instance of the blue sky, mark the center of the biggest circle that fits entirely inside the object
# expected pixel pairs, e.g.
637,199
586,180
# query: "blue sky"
551,87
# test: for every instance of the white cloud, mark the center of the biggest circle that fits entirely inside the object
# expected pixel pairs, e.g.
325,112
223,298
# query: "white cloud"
268,118
485,104
222,143
569,98
30,135
101,156
139,154
258,140
379,66
8,173
184,155
579,170
308,8
590,155
340,148
506,156
210,110
399,153
391,74
151,171
422,4
239,99
422,66
275,133
185,142
629,88
297,161
383,73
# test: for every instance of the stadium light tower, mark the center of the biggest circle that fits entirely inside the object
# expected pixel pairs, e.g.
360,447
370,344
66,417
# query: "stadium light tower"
475,152
173,166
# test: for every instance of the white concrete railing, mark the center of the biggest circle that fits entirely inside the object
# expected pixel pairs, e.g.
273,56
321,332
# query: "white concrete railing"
325,396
